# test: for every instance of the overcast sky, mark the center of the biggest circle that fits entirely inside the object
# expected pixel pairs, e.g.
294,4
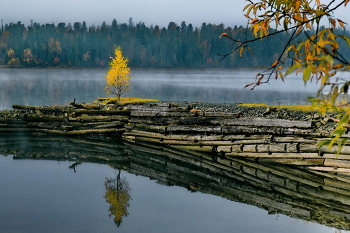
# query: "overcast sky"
156,12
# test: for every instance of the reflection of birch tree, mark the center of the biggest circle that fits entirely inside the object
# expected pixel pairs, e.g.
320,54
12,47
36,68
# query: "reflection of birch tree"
118,196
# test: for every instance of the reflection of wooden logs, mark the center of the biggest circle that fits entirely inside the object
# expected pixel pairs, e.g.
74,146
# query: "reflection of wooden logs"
307,194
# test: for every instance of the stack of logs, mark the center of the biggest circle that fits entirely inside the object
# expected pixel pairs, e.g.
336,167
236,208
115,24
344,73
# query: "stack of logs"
63,121
228,135
223,135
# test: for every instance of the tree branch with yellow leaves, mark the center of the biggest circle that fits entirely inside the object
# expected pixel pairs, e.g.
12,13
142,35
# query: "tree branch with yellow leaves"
317,57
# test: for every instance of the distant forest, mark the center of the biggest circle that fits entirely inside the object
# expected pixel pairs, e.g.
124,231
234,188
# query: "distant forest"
174,46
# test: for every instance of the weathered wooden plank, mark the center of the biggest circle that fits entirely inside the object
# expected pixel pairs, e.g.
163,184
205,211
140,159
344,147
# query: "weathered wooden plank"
293,161
345,150
249,148
226,149
78,132
156,113
206,149
337,163
277,147
273,155
308,148
330,169
250,141
188,137
293,139
257,121
319,192
335,156
87,118
221,114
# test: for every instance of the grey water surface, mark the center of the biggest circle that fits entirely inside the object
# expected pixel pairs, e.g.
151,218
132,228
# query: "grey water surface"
46,87
46,196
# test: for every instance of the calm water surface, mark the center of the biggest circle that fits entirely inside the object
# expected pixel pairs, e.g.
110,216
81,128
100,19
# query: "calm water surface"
47,196
44,87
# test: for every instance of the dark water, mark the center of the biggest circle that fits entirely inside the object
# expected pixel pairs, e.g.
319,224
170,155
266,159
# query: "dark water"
46,87
45,195
39,194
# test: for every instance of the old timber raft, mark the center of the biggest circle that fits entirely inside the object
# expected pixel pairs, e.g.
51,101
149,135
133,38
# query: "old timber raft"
258,134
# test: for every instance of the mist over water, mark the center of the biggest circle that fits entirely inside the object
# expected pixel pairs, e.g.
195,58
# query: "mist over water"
48,87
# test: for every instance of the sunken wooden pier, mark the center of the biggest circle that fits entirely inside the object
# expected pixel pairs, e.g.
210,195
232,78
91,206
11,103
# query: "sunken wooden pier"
266,137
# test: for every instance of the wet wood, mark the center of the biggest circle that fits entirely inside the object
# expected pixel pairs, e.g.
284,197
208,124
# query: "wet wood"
296,162
266,122
218,134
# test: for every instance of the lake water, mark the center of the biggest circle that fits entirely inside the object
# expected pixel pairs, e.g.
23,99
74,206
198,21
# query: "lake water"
42,194
45,87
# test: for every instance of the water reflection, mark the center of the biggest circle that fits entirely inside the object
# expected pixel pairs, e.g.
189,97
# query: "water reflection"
318,197
118,196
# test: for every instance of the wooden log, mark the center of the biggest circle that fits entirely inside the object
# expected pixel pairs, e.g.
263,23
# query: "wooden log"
201,137
267,130
249,148
221,114
182,142
277,147
79,112
331,176
319,192
247,137
294,139
345,150
98,118
94,125
291,161
330,169
337,163
273,155
250,141
267,122
79,132
283,171
206,149
308,148
334,182
335,156
164,108
225,149
158,114
225,130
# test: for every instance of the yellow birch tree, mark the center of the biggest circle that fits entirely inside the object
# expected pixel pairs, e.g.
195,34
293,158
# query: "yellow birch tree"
118,76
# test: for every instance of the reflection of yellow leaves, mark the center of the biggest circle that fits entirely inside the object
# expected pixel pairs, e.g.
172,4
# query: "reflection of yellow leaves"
118,196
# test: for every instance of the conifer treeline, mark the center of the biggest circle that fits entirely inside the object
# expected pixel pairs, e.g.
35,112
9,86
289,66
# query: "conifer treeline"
176,46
